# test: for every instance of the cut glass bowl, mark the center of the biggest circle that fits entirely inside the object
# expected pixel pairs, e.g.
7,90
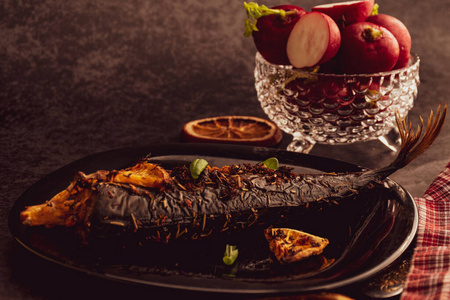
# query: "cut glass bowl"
335,108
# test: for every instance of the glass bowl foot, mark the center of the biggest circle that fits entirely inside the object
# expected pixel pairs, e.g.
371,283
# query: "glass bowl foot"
301,143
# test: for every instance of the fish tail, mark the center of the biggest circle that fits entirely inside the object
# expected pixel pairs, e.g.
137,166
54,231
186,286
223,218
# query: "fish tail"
413,143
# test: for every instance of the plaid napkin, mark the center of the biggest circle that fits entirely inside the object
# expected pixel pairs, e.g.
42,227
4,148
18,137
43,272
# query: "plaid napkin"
429,274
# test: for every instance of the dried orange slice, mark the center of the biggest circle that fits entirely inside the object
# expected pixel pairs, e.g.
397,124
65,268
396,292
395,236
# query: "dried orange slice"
245,130
290,245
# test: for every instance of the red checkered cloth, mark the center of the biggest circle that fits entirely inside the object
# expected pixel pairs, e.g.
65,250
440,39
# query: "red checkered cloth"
429,274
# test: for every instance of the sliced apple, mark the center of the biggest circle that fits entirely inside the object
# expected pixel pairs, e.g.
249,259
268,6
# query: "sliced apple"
314,39
346,13
270,28
400,32
273,32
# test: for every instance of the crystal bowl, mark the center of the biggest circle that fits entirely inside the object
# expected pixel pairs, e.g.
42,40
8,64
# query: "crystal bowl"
334,108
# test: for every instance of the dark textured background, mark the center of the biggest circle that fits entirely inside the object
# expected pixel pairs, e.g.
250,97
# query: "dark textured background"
81,77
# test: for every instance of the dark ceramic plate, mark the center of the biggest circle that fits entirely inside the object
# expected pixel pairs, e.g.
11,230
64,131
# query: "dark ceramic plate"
366,234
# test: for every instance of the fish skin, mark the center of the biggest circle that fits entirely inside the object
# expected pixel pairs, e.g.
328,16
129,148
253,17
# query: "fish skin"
176,213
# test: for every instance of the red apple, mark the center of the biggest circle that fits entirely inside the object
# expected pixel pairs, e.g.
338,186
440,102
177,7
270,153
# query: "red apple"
273,32
401,33
367,48
346,13
314,40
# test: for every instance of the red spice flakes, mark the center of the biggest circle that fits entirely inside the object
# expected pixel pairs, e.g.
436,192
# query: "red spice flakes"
167,238
135,224
230,180
161,219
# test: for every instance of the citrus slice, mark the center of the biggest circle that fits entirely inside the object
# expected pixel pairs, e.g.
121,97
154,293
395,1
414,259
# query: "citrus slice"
245,130
290,245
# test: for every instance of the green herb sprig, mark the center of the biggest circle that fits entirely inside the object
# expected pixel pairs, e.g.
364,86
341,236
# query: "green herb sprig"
197,166
271,163
230,255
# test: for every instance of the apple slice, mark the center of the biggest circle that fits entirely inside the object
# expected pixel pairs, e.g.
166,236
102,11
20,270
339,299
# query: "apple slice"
271,28
314,40
346,13
400,32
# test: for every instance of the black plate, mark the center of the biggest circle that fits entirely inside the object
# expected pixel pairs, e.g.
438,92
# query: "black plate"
366,234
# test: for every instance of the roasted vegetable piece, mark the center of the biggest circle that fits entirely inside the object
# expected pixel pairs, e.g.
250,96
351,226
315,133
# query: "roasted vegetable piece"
156,204
290,245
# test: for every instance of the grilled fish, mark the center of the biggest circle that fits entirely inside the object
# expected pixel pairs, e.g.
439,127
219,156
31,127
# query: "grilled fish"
162,205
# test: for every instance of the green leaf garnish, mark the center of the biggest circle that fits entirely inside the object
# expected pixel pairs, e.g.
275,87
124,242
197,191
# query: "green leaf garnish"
271,163
230,255
375,10
255,11
197,166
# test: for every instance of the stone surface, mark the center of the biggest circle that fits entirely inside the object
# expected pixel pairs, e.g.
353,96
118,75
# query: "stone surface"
81,77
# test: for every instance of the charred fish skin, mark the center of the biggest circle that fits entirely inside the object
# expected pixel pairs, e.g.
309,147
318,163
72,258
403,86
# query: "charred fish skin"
200,213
